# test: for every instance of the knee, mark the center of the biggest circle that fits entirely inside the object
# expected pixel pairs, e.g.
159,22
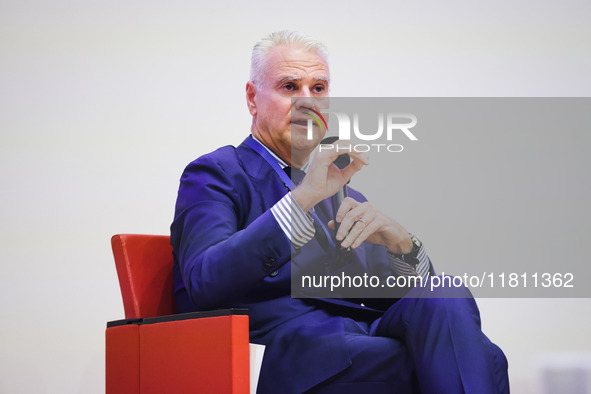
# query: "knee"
501,368
501,363
444,290
449,307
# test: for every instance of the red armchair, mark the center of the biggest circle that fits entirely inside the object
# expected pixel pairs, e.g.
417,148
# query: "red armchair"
155,351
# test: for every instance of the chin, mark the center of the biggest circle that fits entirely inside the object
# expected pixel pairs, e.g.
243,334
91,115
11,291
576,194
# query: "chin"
302,144
299,138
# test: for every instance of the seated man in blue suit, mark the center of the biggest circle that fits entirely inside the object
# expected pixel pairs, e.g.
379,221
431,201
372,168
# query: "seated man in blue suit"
233,236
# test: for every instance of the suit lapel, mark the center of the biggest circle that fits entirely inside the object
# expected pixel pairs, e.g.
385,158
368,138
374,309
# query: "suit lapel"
267,183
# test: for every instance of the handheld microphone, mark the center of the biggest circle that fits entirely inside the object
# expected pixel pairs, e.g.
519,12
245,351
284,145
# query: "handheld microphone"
341,162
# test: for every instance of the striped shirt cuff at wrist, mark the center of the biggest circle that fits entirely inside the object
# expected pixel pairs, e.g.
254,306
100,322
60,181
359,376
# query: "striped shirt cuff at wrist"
294,222
402,268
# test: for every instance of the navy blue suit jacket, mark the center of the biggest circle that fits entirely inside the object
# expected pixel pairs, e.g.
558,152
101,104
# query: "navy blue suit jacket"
230,251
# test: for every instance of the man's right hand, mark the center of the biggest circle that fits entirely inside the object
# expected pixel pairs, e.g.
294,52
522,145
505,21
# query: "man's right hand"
323,179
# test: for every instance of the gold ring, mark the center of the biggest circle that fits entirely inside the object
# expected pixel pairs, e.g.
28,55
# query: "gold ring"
363,221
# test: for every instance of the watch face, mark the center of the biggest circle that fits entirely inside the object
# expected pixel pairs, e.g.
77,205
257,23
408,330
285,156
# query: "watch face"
416,242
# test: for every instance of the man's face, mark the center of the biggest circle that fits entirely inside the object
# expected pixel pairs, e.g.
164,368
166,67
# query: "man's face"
291,73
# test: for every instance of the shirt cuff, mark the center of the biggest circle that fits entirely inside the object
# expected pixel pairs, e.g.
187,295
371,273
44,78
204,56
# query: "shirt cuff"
402,268
294,222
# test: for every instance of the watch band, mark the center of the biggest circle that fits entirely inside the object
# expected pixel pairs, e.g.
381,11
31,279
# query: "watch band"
410,258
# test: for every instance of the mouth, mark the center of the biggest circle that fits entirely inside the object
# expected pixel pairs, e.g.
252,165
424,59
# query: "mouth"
300,122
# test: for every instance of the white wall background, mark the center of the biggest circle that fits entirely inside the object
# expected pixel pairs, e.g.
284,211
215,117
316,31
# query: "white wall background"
103,103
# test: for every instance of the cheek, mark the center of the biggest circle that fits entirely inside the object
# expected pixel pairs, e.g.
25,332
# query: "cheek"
283,104
281,113
276,110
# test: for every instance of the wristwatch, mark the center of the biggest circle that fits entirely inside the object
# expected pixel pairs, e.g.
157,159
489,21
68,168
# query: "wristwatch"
410,258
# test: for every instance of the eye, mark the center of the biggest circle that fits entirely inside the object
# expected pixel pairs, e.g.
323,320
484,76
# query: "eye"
290,87
319,88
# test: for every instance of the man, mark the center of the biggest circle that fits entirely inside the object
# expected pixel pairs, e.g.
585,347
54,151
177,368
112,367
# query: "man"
238,220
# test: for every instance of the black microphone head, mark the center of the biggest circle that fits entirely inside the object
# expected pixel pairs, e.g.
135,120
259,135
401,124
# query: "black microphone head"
329,140
343,160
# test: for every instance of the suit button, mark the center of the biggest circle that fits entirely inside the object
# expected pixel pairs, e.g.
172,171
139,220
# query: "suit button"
268,264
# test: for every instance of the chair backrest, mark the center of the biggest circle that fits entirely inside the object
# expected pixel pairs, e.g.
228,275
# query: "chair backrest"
144,267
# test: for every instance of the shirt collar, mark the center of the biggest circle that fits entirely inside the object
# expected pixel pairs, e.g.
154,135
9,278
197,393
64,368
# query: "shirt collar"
280,161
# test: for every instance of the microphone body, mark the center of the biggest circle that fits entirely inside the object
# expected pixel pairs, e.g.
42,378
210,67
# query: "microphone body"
338,200
341,162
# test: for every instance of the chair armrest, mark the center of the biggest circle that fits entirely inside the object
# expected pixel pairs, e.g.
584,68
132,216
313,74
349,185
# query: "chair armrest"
179,317
204,351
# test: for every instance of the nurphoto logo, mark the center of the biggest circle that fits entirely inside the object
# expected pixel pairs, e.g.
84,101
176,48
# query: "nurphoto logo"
389,125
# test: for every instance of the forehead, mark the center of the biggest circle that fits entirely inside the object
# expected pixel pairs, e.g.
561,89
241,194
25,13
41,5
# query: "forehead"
289,61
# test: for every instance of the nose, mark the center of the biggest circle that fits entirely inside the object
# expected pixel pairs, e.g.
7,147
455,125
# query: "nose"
306,92
304,99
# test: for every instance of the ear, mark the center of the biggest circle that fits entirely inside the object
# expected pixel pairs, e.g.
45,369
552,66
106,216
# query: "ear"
251,91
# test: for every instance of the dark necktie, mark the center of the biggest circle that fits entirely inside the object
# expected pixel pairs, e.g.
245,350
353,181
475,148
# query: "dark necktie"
294,174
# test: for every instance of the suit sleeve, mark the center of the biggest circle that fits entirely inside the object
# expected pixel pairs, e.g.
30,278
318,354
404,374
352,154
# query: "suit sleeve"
221,256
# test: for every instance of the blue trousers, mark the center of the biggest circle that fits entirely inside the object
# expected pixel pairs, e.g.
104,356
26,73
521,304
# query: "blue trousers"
428,342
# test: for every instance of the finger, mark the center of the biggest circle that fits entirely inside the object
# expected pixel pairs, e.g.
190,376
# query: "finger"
331,224
361,229
345,227
354,222
347,215
347,205
329,153
354,167
344,147
363,235
361,157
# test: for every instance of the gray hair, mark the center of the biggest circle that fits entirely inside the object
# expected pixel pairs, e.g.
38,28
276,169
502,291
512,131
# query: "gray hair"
260,52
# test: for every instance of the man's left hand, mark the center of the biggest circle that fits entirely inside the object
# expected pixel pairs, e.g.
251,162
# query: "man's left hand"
361,222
